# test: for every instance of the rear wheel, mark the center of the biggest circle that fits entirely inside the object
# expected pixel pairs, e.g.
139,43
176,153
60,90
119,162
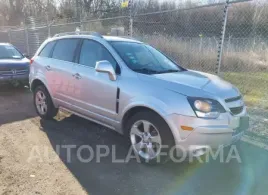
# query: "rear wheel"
43,103
150,137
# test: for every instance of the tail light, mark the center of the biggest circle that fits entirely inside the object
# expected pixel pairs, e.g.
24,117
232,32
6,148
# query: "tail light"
31,61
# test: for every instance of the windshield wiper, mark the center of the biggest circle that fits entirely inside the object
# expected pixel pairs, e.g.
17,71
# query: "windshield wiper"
168,71
146,71
150,71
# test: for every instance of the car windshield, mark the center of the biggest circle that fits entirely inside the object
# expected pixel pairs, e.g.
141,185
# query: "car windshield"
9,52
144,59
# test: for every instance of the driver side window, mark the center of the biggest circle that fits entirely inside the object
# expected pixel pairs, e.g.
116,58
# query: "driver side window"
92,52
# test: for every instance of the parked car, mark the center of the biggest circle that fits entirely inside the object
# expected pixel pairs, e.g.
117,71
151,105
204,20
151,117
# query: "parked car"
14,66
132,88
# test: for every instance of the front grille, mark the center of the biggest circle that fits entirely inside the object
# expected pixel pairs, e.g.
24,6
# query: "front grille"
235,104
233,99
12,73
237,110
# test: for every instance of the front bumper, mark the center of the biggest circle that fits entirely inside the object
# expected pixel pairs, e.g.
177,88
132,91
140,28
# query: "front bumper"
208,133
20,78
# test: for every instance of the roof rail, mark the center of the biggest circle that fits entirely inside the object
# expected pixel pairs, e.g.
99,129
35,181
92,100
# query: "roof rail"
96,34
129,37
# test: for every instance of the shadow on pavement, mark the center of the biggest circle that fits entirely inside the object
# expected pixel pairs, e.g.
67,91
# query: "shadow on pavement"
211,177
15,104
105,177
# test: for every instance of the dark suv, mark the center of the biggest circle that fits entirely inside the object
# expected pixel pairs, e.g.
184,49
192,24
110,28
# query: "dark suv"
14,66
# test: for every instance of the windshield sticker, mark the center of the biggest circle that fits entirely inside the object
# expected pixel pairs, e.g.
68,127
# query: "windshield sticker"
133,59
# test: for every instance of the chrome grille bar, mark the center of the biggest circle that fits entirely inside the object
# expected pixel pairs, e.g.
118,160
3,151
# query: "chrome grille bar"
233,99
235,104
10,72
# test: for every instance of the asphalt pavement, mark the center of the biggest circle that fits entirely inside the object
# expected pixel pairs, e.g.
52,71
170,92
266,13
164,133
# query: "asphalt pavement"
213,177
21,129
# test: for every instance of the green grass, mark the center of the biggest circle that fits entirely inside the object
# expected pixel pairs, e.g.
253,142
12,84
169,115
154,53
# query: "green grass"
253,85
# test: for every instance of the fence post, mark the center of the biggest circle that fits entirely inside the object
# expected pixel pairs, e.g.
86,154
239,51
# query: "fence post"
9,35
82,25
131,27
130,31
49,30
48,27
27,39
229,44
221,44
201,43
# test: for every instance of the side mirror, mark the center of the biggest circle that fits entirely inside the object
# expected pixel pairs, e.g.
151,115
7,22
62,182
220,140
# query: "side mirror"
105,66
26,55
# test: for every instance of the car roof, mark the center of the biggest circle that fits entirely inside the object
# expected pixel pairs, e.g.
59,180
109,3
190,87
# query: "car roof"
5,44
122,39
107,38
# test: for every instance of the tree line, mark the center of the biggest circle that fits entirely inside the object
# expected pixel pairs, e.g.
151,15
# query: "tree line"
245,19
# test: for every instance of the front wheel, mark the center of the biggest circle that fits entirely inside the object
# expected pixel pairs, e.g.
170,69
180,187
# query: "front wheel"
151,137
43,103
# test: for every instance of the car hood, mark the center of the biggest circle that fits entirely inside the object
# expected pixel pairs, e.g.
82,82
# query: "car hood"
193,83
14,64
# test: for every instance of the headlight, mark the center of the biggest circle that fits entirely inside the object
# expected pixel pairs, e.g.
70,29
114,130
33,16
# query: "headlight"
206,108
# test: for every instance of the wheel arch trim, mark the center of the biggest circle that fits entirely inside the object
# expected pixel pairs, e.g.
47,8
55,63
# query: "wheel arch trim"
155,105
152,104
40,79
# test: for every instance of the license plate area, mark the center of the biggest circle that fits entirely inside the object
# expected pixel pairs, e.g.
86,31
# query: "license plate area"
243,125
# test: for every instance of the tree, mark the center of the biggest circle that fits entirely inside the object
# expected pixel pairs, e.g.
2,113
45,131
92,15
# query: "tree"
14,12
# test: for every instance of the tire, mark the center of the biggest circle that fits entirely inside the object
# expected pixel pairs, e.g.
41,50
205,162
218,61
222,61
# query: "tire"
50,112
162,129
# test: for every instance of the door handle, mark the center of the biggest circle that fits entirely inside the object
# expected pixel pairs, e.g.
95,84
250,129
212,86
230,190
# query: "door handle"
48,68
77,76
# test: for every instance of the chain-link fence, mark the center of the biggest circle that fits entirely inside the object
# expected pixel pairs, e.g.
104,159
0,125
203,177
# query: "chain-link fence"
191,36
245,54
28,38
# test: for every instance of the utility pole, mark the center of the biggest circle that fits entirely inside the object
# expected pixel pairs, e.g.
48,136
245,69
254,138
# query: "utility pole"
130,4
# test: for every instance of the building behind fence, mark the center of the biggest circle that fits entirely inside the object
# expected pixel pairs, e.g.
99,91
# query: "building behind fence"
191,42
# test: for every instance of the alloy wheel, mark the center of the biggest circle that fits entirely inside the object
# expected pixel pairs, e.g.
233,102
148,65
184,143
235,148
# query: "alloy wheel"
41,103
145,139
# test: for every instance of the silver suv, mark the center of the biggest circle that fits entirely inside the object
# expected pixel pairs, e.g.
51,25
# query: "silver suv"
132,88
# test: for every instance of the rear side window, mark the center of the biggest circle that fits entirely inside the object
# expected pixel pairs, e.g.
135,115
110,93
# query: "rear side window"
47,49
65,49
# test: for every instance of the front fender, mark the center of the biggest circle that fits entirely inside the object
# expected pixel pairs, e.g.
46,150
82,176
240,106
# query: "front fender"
171,103
150,102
